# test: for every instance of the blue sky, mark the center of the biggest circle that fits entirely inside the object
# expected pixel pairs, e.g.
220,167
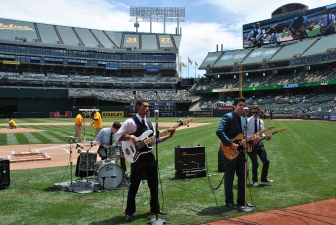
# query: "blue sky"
208,22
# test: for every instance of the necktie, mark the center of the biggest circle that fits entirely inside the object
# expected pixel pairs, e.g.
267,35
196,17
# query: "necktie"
255,126
144,123
328,21
111,138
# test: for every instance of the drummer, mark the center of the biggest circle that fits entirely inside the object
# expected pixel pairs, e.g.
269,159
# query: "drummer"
105,136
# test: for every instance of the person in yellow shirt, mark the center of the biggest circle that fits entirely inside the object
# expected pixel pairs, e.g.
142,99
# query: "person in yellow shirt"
12,124
79,124
97,122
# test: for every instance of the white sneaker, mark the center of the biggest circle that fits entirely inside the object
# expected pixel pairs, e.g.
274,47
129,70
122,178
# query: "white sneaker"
255,184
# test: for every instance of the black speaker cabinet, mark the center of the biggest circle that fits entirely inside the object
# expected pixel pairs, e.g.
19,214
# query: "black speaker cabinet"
187,158
4,173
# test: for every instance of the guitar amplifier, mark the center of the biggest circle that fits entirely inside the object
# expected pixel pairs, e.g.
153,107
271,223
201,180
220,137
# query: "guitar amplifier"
189,158
4,173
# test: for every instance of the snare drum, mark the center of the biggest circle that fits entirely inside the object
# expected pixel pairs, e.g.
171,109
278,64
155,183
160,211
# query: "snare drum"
109,174
114,152
87,161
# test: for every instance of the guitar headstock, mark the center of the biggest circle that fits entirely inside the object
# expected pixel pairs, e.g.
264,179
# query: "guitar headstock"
185,121
269,128
282,129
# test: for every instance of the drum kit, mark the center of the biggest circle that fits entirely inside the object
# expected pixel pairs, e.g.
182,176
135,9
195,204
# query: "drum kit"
107,172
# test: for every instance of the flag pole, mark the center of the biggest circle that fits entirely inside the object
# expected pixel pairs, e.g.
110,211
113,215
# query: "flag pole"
188,67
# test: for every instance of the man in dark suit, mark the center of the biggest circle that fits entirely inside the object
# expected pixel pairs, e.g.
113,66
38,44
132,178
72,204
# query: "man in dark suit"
231,125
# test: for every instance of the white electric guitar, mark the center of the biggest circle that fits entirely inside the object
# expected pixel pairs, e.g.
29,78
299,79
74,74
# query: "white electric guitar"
132,152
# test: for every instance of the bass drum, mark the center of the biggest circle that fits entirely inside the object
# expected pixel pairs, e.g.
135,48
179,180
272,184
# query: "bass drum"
109,174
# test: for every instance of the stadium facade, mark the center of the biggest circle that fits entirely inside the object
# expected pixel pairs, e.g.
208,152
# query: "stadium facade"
52,68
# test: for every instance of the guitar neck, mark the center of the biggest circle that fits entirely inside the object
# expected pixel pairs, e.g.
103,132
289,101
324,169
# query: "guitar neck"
251,137
262,138
164,132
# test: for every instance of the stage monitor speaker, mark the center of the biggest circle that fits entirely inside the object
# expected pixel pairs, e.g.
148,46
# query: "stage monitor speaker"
4,173
189,158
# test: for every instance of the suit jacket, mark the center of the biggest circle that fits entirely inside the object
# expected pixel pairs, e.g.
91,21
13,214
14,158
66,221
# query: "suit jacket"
229,127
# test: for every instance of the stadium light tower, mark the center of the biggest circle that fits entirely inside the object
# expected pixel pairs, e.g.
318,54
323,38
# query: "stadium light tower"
157,14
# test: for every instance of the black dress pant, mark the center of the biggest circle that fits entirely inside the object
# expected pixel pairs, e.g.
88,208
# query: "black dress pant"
261,152
145,164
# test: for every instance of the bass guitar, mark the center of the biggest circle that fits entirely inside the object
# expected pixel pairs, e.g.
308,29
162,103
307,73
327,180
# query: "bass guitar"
251,148
239,139
258,38
132,152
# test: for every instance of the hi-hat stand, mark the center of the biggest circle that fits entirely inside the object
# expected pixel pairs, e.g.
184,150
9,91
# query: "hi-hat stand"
71,141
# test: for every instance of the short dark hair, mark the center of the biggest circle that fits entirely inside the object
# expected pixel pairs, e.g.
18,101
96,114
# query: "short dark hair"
140,102
240,99
116,125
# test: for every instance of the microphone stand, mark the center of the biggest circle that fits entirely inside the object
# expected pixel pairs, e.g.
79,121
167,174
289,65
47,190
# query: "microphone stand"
156,220
245,208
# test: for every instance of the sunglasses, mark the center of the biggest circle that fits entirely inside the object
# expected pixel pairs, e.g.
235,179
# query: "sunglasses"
255,112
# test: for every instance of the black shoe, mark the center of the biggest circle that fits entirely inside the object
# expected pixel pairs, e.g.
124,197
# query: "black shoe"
159,212
267,181
231,206
128,218
247,204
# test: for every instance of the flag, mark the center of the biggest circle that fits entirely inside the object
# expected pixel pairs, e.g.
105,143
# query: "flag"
183,64
196,64
190,61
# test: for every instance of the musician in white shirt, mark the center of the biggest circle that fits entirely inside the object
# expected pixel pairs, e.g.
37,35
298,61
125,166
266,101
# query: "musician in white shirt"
327,23
131,131
256,36
255,124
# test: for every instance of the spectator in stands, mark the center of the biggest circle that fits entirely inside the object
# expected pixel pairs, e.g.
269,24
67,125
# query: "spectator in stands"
79,125
326,24
255,124
12,124
97,121
256,36
231,125
299,26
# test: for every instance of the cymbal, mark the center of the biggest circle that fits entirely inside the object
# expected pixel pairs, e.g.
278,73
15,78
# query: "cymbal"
72,137
91,143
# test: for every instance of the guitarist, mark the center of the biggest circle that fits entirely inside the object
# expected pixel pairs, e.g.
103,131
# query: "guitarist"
146,163
231,125
299,26
255,124
326,24
256,36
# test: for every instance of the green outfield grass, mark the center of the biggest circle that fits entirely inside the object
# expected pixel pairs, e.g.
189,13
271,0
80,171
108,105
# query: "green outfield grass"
302,167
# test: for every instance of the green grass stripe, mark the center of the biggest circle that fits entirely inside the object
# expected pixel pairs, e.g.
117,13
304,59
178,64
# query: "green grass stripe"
11,139
32,139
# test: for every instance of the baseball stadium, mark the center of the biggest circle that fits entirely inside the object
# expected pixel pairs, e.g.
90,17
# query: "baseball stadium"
50,74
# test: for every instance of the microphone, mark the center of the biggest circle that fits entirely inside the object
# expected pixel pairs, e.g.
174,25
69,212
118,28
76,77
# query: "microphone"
78,146
156,113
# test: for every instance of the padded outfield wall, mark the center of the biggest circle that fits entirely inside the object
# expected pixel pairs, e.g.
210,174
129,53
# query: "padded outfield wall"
39,102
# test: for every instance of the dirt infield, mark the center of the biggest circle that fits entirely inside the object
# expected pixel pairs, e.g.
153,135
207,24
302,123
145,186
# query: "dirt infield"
59,153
